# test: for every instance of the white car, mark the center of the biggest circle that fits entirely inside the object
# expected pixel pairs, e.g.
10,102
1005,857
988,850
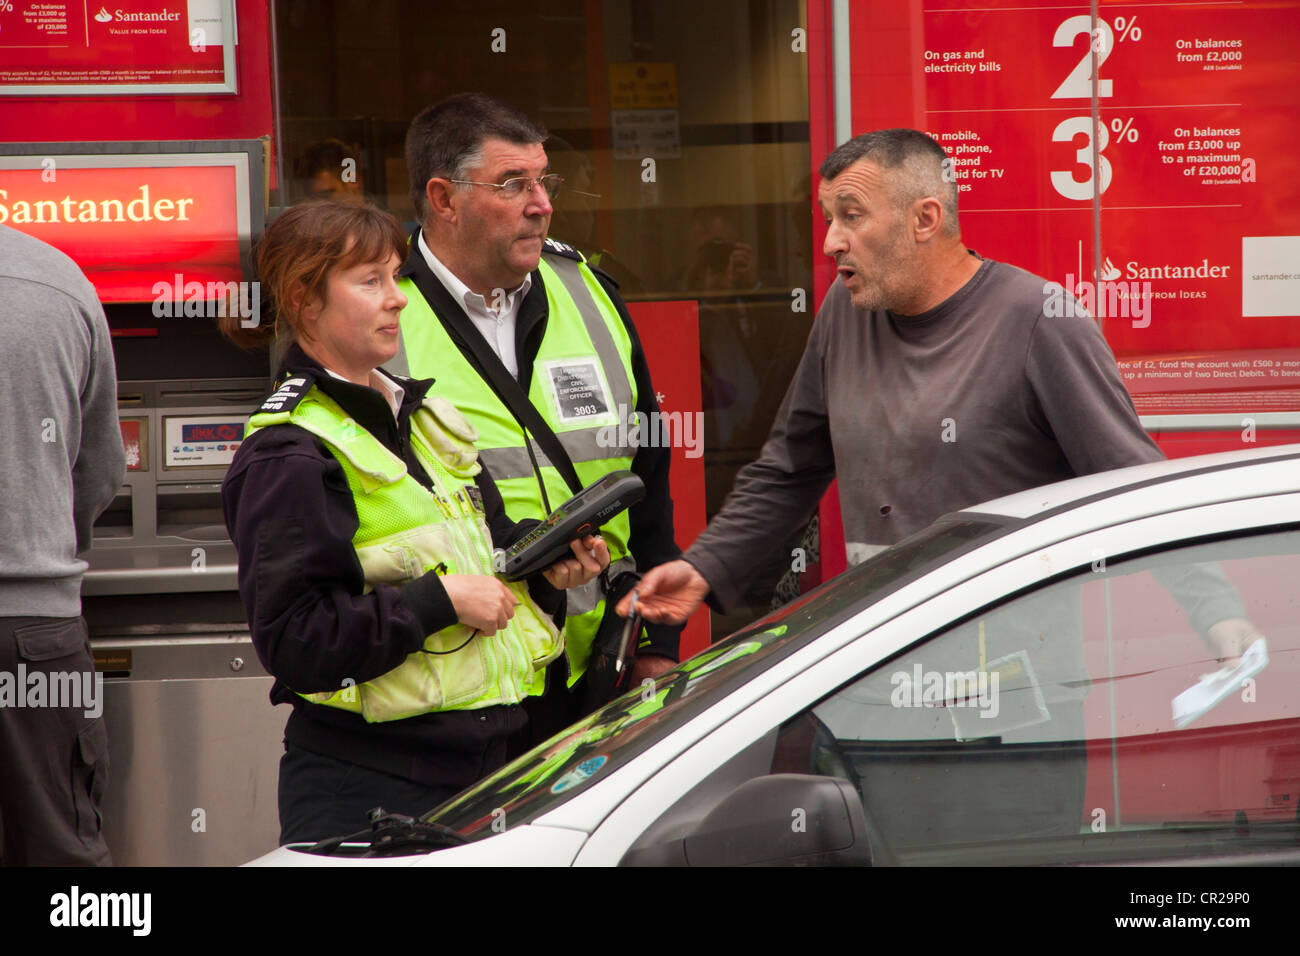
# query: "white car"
1034,680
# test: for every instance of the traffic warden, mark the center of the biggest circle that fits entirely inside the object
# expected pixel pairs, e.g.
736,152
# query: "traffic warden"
365,527
524,336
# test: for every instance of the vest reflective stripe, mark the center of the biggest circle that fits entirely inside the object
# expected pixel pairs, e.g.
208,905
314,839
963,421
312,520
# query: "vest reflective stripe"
583,327
506,463
587,444
404,530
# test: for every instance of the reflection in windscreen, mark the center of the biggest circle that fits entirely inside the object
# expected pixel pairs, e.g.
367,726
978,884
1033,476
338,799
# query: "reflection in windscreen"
600,743
1046,727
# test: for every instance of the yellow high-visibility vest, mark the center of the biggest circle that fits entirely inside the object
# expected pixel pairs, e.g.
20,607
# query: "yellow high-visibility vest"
582,385
406,530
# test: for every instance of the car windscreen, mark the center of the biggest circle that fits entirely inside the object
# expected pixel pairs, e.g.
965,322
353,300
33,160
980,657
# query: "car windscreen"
607,739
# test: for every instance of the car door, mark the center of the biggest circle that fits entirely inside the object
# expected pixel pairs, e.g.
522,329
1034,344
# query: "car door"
1026,715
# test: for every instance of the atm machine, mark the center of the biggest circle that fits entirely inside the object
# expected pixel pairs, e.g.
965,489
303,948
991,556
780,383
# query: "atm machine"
194,742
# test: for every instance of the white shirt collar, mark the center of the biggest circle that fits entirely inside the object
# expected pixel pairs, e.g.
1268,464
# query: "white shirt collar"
495,321
472,301
381,383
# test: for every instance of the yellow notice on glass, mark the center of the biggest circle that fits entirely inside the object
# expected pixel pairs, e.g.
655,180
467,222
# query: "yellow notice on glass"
642,86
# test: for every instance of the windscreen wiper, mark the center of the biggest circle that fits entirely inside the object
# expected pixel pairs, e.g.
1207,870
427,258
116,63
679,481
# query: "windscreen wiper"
391,834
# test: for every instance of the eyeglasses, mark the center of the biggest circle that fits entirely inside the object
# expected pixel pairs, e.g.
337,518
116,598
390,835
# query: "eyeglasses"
520,185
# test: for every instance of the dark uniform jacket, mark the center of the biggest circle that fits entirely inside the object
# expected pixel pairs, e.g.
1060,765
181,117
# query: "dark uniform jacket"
291,516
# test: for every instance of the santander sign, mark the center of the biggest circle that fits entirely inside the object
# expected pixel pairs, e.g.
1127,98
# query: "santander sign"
141,208
131,226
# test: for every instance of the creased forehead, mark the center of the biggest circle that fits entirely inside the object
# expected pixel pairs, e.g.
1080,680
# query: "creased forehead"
861,182
502,157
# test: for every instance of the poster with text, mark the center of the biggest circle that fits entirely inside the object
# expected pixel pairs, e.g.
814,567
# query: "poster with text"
127,47
1140,159
159,228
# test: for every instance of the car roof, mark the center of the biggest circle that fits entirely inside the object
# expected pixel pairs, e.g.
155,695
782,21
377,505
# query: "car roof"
1038,502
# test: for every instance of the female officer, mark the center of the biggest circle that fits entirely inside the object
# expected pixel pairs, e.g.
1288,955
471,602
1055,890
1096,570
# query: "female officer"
365,528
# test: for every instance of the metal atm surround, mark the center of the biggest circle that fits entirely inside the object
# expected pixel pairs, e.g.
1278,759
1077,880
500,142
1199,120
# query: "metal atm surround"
194,743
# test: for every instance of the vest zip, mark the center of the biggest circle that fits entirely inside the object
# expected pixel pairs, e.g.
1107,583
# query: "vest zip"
502,679
522,662
492,644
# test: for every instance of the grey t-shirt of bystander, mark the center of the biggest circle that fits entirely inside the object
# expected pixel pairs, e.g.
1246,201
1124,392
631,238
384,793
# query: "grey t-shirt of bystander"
980,397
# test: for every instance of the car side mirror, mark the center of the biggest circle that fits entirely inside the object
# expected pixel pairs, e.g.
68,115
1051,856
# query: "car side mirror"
784,819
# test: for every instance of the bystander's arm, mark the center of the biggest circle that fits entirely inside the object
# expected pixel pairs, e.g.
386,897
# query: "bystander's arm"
1078,386
101,462
775,494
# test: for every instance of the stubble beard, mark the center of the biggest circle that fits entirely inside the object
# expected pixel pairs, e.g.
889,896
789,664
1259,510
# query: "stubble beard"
869,299
888,286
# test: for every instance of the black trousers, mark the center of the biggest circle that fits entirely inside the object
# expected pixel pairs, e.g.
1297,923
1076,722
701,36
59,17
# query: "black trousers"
322,797
53,758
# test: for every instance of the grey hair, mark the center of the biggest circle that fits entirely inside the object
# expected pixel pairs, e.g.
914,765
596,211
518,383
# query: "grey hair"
919,166
446,140
471,160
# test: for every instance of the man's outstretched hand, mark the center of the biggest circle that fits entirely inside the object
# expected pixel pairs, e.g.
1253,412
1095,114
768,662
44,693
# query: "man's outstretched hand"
668,594
1230,638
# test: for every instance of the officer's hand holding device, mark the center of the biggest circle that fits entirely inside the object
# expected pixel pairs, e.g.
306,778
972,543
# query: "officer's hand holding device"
590,556
485,603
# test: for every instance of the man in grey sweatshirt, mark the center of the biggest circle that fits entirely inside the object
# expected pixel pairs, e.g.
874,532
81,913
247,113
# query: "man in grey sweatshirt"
933,380
62,464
